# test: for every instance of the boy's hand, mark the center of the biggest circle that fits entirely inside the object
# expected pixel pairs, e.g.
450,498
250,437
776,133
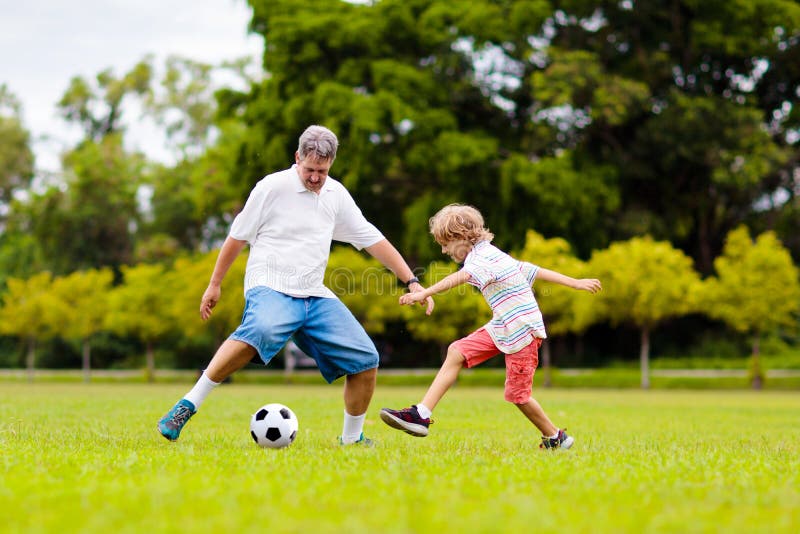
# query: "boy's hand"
592,285
417,295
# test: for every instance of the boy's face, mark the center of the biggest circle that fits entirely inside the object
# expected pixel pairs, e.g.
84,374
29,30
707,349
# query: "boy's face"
457,249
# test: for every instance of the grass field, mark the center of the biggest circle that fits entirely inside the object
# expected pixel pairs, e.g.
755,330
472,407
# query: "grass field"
77,458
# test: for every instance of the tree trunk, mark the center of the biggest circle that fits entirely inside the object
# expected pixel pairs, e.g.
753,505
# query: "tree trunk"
644,357
86,350
547,381
30,358
756,374
150,363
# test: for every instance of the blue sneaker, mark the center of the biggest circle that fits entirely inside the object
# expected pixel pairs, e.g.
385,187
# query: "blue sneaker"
362,440
171,424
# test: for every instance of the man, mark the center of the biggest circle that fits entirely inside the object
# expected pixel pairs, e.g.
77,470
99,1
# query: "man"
289,220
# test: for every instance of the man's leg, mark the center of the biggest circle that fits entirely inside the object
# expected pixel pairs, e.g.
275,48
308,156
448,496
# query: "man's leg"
231,356
340,346
358,390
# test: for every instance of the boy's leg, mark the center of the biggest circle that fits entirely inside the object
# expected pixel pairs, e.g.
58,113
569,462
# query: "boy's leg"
445,378
520,368
416,419
535,414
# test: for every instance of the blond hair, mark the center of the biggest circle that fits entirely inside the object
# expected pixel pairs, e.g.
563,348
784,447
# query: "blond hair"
459,222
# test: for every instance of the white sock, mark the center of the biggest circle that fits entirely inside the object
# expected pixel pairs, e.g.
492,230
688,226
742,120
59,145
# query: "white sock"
554,436
353,426
200,390
423,411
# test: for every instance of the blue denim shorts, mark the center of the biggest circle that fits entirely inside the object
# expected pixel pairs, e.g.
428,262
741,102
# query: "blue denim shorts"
323,328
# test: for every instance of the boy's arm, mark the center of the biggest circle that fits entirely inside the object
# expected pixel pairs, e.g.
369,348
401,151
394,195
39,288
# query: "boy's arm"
592,285
450,281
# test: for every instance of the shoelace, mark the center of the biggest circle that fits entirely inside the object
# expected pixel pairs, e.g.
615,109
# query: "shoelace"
180,416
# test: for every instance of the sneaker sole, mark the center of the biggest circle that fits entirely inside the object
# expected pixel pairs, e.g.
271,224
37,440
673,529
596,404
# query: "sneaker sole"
165,436
414,429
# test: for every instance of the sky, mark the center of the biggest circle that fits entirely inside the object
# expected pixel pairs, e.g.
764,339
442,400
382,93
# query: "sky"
45,43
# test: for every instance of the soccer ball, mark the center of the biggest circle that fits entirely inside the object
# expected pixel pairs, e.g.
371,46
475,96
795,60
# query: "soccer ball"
274,426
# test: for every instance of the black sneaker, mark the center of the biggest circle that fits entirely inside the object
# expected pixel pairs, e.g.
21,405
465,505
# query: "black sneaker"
407,420
562,441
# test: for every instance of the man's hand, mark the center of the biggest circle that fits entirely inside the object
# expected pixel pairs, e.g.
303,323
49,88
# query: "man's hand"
416,294
209,300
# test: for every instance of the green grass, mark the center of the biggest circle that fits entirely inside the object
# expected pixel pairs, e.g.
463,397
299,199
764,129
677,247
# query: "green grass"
77,458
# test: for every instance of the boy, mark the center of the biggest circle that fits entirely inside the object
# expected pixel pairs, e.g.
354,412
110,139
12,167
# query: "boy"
516,328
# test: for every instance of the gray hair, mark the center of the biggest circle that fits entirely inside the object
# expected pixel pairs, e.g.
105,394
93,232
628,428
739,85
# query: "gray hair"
319,142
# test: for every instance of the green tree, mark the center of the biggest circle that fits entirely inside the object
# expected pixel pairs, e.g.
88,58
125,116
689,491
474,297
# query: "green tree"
16,156
425,96
28,313
97,106
644,283
190,278
81,309
755,291
90,220
140,307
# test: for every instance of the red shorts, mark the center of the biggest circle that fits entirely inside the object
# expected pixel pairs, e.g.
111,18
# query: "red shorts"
520,366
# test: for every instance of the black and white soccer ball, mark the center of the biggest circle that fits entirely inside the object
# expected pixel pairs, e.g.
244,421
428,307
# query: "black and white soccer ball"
274,426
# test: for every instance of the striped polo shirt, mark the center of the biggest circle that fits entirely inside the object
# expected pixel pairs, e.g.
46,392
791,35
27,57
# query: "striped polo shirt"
506,285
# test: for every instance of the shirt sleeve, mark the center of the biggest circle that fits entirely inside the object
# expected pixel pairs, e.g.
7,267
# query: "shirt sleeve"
529,271
351,225
246,224
479,275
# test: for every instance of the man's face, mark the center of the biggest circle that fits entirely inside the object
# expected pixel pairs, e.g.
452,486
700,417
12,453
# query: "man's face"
312,171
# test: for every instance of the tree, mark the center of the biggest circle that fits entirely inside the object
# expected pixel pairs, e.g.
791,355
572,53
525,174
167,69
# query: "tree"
16,156
645,282
190,278
140,307
81,308
89,221
98,106
756,289
28,313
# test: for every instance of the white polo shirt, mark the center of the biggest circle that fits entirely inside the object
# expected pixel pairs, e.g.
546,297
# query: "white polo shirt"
290,230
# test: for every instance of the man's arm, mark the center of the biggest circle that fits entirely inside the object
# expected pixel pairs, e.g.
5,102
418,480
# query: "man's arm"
227,254
592,285
384,252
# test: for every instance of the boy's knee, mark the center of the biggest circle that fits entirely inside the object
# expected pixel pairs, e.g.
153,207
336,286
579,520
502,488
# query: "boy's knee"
454,355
